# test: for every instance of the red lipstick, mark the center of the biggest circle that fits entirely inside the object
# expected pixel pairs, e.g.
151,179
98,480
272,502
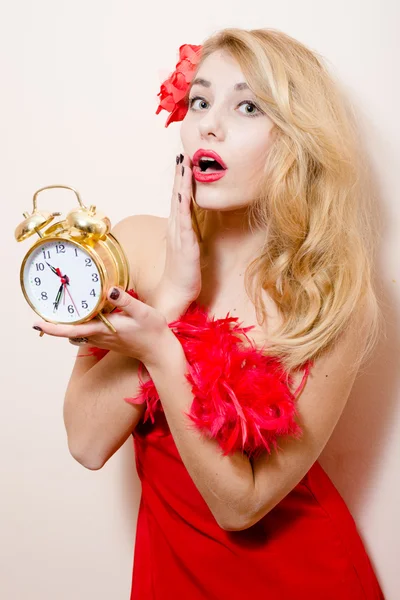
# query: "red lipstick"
203,177
208,154
207,174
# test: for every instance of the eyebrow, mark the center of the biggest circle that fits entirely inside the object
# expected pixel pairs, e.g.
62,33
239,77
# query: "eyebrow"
237,87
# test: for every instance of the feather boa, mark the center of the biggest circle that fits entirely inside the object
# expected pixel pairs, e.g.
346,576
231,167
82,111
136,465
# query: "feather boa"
241,397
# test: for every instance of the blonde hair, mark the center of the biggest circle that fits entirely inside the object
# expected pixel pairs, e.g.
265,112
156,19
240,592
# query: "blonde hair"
314,202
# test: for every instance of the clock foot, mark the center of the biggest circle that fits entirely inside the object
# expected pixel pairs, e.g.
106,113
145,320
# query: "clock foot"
107,322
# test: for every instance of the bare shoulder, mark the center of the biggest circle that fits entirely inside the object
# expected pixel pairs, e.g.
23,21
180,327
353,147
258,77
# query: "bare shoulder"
136,228
141,237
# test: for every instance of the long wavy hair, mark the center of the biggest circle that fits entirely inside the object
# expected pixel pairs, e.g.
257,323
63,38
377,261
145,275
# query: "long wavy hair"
314,201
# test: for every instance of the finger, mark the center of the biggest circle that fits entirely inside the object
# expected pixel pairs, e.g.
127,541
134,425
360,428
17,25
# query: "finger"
176,186
186,182
185,193
124,301
178,170
187,233
186,197
70,331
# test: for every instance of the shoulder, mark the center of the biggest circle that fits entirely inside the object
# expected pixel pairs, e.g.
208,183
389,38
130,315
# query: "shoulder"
141,225
340,363
141,237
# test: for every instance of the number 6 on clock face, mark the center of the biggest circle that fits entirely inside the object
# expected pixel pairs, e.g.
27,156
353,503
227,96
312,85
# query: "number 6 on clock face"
61,281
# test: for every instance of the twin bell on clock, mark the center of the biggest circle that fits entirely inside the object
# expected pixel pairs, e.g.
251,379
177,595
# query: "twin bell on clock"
67,272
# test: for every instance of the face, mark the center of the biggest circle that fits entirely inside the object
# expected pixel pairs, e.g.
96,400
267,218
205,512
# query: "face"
224,117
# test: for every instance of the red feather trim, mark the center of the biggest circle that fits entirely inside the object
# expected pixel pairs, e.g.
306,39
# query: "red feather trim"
241,396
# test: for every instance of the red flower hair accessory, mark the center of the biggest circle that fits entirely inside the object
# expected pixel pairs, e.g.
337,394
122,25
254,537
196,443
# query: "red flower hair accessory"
173,90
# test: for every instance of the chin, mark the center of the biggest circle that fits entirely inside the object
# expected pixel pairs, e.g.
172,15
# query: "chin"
209,197
216,201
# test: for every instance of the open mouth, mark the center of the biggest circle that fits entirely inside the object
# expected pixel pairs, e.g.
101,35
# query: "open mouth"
210,165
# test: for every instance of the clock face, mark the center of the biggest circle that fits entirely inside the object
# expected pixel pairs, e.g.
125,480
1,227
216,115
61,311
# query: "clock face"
62,281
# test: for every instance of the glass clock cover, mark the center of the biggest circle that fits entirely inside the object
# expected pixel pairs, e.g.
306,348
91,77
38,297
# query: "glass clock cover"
62,281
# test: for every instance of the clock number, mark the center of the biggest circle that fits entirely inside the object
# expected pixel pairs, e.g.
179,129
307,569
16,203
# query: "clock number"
93,293
60,249
44,296
84,304
71,309
37,280
39,267
95,277
46,254
76,251
88,262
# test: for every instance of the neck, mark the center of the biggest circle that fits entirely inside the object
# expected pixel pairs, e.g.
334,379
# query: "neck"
228,243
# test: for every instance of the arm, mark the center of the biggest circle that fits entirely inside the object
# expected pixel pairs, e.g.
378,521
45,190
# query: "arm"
96,418
239,492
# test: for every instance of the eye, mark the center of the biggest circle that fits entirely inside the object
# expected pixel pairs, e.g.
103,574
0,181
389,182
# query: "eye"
194,100
251,108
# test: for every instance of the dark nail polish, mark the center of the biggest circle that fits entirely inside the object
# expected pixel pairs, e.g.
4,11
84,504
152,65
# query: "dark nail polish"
114,294
179,198
177,159
183,170
37,328
181,158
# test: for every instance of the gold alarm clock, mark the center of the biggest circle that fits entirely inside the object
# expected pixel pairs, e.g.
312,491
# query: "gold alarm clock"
67,272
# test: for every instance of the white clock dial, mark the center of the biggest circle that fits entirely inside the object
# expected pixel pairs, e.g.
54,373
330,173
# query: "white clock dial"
62,281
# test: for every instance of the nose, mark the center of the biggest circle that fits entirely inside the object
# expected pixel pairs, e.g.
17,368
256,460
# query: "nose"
211,125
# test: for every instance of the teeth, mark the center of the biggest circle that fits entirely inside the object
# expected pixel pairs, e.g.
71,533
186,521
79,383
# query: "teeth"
206,161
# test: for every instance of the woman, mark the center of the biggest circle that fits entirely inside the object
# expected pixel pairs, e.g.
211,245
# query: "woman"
268,223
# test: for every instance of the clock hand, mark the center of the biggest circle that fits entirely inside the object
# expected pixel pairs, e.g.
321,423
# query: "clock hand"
62,289
64,278
56,271
65,282
68,292
58,297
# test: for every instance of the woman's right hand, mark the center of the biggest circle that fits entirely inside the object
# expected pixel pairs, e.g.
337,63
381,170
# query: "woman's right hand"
180,283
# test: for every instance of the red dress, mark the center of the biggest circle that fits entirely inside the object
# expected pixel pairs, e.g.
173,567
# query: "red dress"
306,548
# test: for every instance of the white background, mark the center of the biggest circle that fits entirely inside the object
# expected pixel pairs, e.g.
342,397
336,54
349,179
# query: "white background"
78,96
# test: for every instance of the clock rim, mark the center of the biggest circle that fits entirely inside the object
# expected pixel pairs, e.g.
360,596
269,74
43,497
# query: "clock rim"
93,255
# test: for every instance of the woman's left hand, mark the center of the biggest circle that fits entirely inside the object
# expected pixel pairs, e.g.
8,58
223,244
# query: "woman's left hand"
141,329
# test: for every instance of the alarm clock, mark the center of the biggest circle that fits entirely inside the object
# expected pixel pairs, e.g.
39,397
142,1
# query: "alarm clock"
66,273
